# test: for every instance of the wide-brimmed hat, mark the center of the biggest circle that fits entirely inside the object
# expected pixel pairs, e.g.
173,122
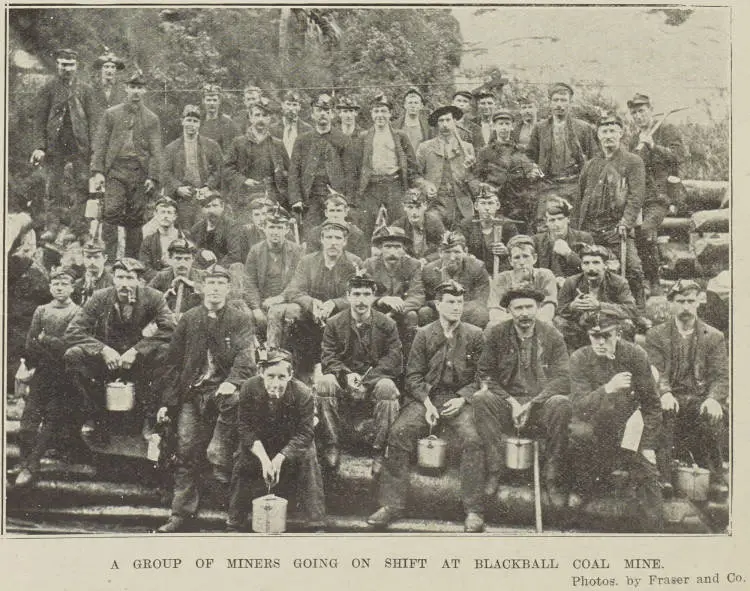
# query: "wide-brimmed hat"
444,110
518,293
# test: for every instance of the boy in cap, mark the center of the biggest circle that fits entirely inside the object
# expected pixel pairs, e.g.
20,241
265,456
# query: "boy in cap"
153,253
337,210
611,384
179,277
95,276
50,405
440,379
209,357
217,125
192,166
413,122
211,234
276,443
361,357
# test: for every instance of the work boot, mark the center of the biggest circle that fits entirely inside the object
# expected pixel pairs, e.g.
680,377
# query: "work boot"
25,478
493,481
174,525
385,515
474,523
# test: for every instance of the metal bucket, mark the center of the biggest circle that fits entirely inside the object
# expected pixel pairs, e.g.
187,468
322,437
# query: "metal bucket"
120,396
431,452
693,482
519,453
269,514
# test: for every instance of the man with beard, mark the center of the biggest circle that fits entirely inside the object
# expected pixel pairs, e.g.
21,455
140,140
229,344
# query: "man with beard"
487,234
424,228
504,165
65,117
561,145
180,276
398,278
250,96
153,253
384,158
662,152
95,275
556,247
691,358
210,356
617,416
583,294
268,270
443,164
242,237
127,152
291,126
254,164
277,443
361,358
524,372
414,122
612,189
216,125
337,210
455,263
107,89
522,131
320,159
523,274
211,234
192,166
105,341
440,380
348,109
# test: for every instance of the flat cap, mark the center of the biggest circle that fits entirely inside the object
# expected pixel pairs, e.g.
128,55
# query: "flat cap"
361,279
558,205
128,264
390,234
451,286
347,103
486,191
594,250
323,100
191,111
334,195
137,79
638,99
560,87
683,286
521,293
291,96
264,105
278,215
329,225
166,202
60,272
451,239
414,90
66,54
261,202
381,100
93,247
521,240
610,119
108,57
502,114
484,93
464,93
216,270
180,246
415,195
211,89
272,356
602,321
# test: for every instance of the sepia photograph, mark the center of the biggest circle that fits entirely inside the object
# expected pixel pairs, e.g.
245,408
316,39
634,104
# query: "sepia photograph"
438,271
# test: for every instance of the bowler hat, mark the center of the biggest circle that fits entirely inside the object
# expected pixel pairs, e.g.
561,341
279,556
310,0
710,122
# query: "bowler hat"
444,110
518,293
390,234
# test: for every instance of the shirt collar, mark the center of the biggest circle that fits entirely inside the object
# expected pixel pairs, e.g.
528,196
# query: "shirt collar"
449,329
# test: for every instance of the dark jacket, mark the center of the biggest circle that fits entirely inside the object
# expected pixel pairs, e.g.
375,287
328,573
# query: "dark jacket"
507,168
217,241
356,241
98,323
151,255
241,238
609,412
263,162
661,161
614,290
383,349
222,130
231,346
277,131
406,282
427,359
117,95
307,284
405,159
709,361
472,275
81,293
500,360
191,296
472,230
256,265
433,234
209,165
581,137
561,266
291,434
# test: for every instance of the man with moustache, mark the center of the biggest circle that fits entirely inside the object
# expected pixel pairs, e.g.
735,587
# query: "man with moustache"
211,234
361,358
612,190
291,126
127,153
337,210
180,276
320,159
105,341
424,228
583,294
109,91
414,122
465,126
216,125
691,359
192,166
524,373
95,276
486,105
153,253
251,95
610,382
242,236
440,381
522,131
210,356
348,109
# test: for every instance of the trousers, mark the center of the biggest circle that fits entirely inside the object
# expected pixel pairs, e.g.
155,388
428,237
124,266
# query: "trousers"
124,204
381,190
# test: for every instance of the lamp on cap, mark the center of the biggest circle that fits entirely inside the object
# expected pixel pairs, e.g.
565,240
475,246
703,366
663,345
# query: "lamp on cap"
683,286
560,87
59,272
361,279
451,286
66,54
272,356
381,101
520,240
191,111
129,265
334,194
390,234
558,205
414,90
137,79
278,215
451,239
329,225
323,101
180,246
610,119
444,110
502,114
638,99
216,270
602,321
486,191
521,293
347,103
264,105
109,58
415,195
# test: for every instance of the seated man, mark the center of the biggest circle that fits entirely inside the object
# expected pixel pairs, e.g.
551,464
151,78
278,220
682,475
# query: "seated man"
337,210
210,356
243,236
361,358
277,446
455,263
584,293
425,229
691,358
523,273
398,279
556,247
524,373
487,234
211,234
180,282
153,253
611,384
50,405
95,276
440,380
267,272
105,341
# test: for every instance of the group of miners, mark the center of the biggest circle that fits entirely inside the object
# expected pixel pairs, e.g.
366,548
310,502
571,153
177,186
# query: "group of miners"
302,289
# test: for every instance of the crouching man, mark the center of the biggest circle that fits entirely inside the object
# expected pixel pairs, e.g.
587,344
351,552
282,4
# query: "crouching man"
440,378
277,449
617,415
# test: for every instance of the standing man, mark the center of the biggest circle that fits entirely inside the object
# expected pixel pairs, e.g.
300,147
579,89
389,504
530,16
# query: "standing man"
414,122
127,153
192,167
524,370
424,228
662,152
109,91
211,354
612,189
561,145
180,276
610,382
440,382
486,110
522,130
466,127
386,165
64,123
216,125
348,109
443,164
95,276
290,127
250,96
